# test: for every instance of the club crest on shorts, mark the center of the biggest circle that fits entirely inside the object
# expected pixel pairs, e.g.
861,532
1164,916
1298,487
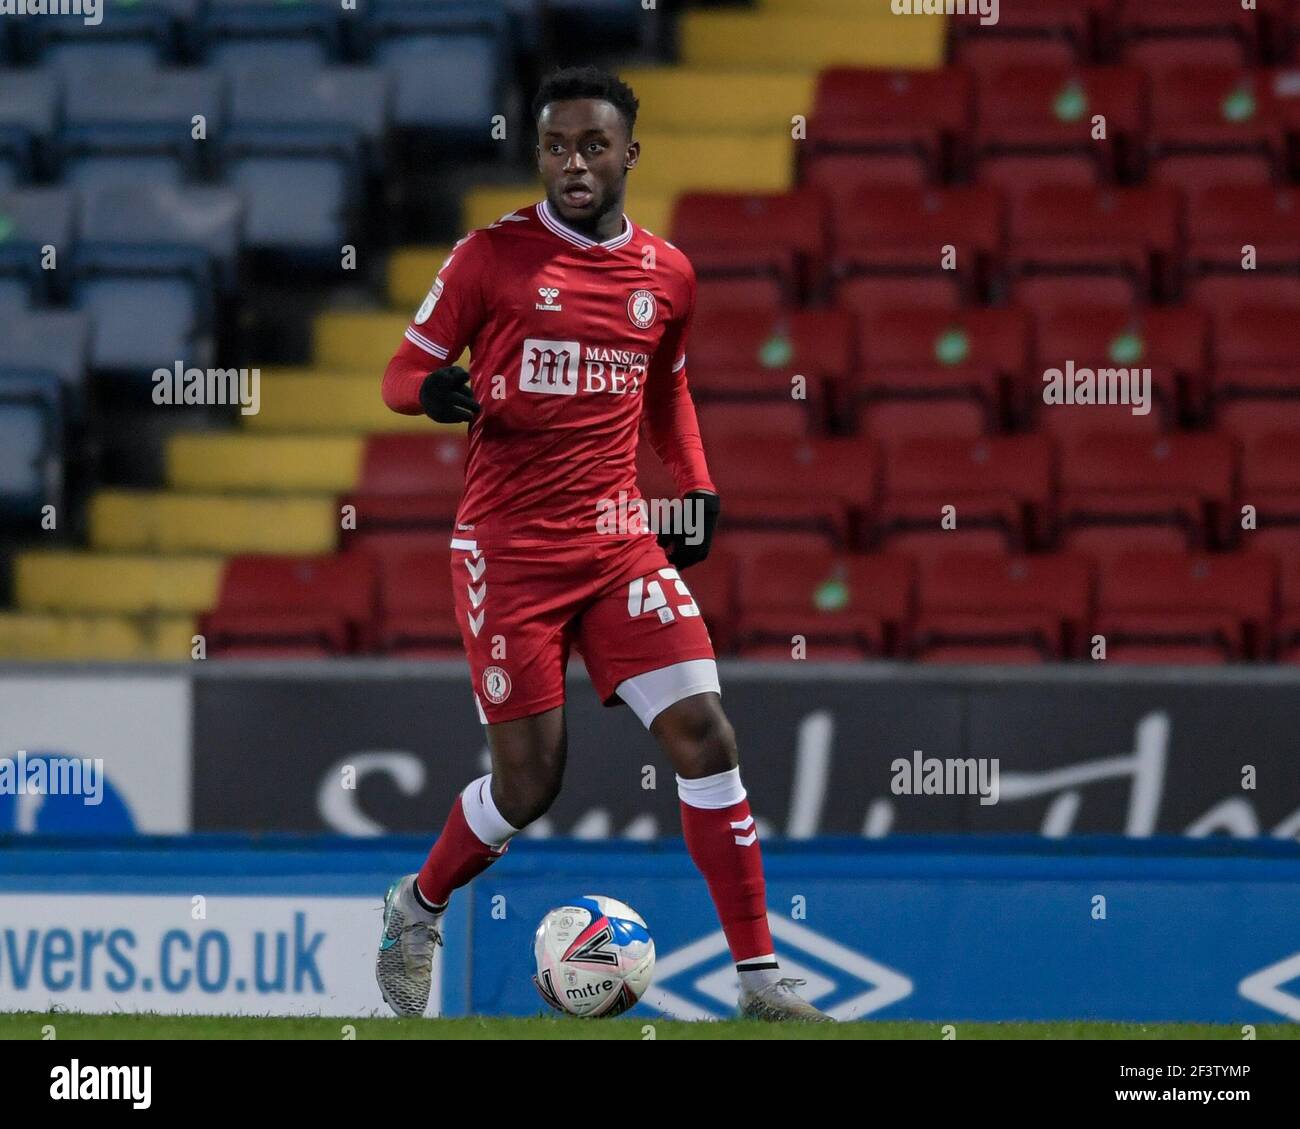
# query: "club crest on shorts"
642,309
496,685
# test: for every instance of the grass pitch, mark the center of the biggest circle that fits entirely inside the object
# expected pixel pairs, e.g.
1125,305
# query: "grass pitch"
149,1025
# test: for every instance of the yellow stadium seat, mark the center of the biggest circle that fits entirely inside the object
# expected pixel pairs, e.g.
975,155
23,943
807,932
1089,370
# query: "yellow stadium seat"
139,521
264,463
712,101
411,271
358,339
329,403
792,41
172,638
40,637
115,582
672,163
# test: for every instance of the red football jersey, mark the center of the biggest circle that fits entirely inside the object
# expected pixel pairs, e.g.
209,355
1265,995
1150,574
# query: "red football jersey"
574,344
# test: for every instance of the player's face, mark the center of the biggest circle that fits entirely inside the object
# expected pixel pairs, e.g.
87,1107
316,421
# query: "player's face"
583,153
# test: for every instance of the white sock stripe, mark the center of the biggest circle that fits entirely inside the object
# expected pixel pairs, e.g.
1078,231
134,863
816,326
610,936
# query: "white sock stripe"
710,792
481,813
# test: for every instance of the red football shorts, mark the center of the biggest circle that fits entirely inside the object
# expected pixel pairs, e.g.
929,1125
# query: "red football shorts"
618,602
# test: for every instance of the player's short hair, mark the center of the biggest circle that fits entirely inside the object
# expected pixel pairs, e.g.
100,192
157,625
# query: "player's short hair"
568,83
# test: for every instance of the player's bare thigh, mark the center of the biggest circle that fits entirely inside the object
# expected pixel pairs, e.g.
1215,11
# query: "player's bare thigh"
528,757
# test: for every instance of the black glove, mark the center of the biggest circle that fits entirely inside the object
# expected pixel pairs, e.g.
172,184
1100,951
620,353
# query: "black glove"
445,396
704,508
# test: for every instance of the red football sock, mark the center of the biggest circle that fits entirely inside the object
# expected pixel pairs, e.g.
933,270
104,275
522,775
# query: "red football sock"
456,857
724,845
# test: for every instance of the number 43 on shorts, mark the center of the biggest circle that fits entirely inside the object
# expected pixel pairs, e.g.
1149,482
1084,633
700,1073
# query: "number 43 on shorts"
646,594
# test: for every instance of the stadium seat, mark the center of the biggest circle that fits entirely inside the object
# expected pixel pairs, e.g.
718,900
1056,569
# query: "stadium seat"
118,583
860,603
31,450
1099,246
1160,33
1213,602
882,126
1036,126
32,219
28,118
951,493
273,464
303,606
1056,32
1174,342
990,600
812,484
419,606
756,421
888,249
1214,124
973,357
162,29
717,231
1150,488
1270,483
54,341
1223,221
713,585
317,23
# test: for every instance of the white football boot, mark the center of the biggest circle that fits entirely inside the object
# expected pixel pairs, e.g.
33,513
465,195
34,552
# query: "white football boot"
404,966
779,1002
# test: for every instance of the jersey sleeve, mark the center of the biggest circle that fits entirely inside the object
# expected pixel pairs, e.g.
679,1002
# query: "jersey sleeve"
451,315
669,422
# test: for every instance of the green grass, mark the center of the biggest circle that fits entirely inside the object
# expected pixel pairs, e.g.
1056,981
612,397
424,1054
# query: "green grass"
148,1025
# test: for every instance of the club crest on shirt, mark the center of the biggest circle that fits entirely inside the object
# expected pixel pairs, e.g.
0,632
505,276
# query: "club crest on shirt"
430,300
496,685
642,309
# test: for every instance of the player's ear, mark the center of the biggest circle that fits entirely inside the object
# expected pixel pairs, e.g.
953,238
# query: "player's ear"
633,154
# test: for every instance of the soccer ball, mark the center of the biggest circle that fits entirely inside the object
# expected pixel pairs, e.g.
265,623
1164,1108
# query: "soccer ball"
594,957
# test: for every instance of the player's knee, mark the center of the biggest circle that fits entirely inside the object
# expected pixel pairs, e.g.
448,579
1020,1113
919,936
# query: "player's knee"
523,801
701,742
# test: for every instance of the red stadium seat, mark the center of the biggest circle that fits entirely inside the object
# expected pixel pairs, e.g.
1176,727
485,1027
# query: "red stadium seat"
895,417
747,354
284,605
1257,337
813,484
1174,342
419,606
713,585
1036,124
992,600
1154,33
1178,482
1055,32
974,356
895,236
779,237
1214,113
1270,482
1000,487
413,464
1095,246
846,600
1224,219
756,421
1224,602
881,126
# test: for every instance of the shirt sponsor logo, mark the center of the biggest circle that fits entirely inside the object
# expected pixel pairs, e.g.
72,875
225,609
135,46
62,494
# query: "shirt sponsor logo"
642,309
550,367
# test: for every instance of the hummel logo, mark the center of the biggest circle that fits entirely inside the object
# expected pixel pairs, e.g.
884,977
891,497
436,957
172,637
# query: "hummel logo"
548,295
475,573
476,594
476,622
745,825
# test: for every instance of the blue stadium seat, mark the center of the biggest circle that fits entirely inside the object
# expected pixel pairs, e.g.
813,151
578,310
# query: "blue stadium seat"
30,219
296,148
318,21
141,111
91,57
146,268
164,26
15,296
53,341
270,56
88,174
28,118
31,444
448,60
